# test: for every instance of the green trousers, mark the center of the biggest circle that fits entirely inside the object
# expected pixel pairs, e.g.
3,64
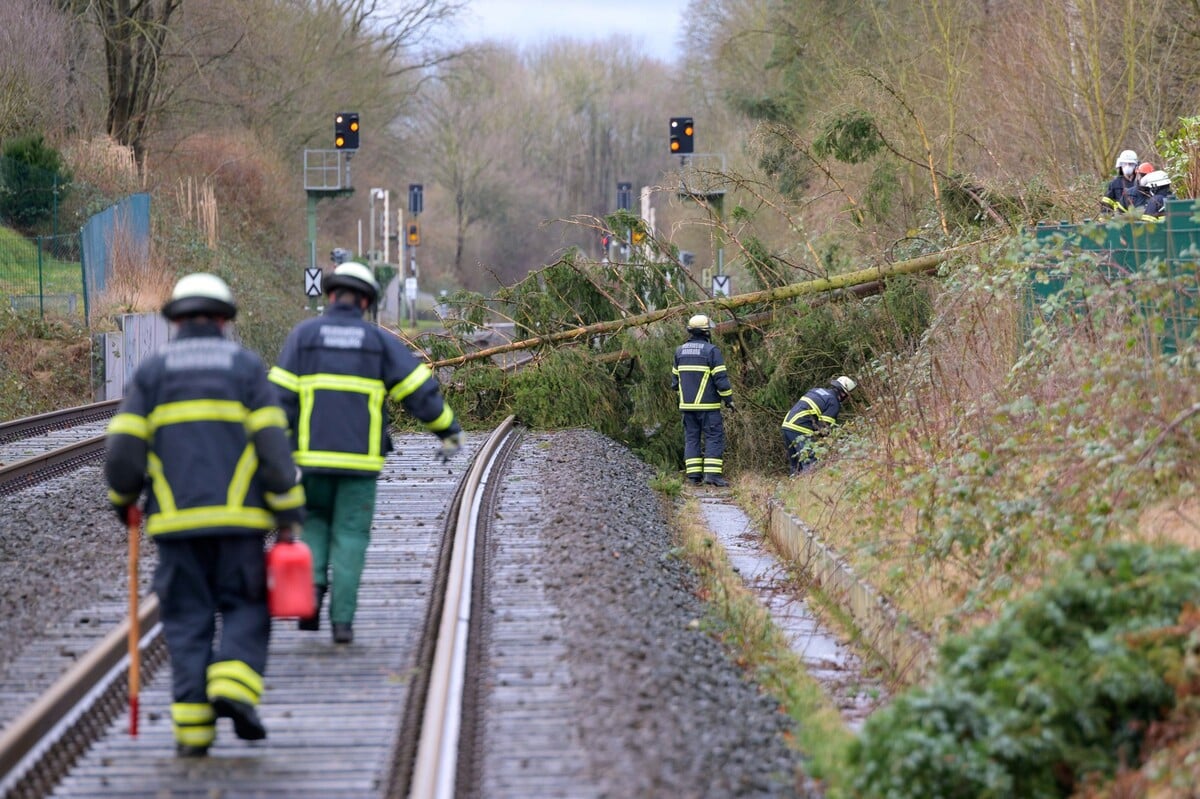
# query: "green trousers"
337,529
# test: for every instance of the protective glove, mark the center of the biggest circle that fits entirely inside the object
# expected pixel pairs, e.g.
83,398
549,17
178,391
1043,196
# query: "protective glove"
729,403
122,512
287,534
451,444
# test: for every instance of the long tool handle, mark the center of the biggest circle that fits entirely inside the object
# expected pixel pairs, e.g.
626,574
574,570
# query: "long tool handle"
135,634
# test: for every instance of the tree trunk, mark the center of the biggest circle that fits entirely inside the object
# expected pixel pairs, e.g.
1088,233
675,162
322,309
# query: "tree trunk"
845,281
134,33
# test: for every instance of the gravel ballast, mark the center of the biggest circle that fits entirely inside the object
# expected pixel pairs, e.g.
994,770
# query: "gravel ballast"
664,711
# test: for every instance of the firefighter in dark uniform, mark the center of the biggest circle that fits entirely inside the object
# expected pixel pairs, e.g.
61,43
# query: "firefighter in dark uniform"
334,375
201,420
814,415
702,384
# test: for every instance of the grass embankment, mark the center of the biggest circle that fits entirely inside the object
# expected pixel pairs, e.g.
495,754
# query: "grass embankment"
970,478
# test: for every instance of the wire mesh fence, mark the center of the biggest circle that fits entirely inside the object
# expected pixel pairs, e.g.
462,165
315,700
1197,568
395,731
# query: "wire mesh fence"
43,274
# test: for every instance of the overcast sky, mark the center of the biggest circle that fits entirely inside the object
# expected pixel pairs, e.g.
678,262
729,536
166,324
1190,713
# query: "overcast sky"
655,24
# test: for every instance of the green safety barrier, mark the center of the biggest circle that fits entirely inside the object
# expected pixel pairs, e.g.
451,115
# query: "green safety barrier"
1125,246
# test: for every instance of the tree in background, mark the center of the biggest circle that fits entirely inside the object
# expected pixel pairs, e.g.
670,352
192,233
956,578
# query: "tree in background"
35,84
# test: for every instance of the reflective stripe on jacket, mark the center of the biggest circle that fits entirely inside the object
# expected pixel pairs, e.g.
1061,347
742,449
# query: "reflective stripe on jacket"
200,419
699,376
816,411
334,374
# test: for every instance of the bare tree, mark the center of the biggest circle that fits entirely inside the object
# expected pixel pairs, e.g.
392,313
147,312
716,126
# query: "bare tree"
34,80
135,33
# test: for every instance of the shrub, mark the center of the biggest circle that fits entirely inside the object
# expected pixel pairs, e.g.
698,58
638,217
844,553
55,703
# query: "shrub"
33,181
1062,686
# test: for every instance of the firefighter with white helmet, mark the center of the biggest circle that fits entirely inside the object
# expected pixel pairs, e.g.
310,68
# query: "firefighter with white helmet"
701,383
1157,186
200,430
1125,182
333,376
814,415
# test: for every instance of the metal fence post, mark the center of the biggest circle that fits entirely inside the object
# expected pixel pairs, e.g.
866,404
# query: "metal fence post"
41,291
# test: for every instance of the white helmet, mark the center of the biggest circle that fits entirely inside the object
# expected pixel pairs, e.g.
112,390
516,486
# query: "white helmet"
1155,179
844,383
1127,157
699,322
200,294
354,276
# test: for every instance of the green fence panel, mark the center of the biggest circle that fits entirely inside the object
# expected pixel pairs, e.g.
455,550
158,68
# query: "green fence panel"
1124,247
42,274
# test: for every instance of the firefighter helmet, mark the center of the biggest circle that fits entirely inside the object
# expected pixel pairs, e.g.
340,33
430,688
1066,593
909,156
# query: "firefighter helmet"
1145,168
1156,179
700,324
844,384
200,294
1127,157
354,276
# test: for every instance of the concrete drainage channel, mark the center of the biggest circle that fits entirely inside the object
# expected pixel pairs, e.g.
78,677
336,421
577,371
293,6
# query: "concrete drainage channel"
828,659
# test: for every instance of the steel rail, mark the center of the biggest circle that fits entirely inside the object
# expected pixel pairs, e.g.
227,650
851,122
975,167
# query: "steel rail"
435,766
25,473
43,742
68,417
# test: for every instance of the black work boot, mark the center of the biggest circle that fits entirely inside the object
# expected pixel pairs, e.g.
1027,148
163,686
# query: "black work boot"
715,480
186,750
343,633
246,723
313,622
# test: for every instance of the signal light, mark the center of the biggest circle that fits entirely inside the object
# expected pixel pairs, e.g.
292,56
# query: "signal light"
682,133
345,130
414,234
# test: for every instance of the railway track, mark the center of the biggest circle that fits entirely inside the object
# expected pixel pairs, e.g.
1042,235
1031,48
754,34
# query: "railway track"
39,447
343,721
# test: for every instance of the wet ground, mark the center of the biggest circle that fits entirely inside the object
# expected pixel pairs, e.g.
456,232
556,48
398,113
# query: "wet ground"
846,677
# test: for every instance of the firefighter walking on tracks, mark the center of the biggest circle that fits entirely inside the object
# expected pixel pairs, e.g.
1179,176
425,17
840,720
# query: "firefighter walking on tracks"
702,385
334,375
200,419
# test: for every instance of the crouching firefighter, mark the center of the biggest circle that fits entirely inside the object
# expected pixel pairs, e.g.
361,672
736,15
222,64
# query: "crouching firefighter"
700,380
200,419
813,416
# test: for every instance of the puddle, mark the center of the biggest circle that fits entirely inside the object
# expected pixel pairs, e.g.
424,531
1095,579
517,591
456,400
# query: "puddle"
839,670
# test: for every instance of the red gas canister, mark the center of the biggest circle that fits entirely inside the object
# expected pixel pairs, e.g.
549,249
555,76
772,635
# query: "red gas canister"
289,581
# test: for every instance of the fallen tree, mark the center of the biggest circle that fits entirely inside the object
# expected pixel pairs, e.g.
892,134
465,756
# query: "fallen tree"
848,280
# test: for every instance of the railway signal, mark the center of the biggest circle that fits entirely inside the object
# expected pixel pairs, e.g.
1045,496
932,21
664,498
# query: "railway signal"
416,198
413,234
682,131
345,130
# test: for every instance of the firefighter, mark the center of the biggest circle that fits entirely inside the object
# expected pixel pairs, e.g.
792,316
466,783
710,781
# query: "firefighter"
1126,180
202,421
334,374
813,416
702,384
1158,190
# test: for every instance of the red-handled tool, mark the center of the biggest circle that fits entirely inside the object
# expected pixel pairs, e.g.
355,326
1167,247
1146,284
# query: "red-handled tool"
134,516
